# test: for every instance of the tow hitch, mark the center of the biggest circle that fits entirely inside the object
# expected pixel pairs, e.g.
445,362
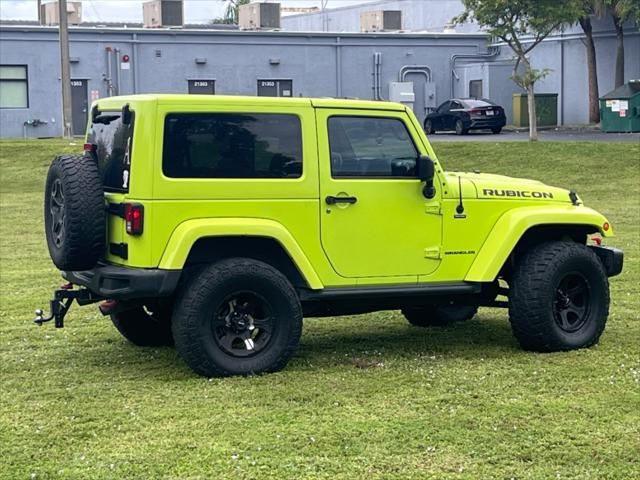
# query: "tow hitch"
62,300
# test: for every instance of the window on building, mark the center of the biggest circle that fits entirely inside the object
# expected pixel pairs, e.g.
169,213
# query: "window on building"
232,145
14,88
475,88
202,87
371,147
275,88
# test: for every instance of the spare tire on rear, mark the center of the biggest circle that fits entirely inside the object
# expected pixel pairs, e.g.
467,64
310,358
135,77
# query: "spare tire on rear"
74,212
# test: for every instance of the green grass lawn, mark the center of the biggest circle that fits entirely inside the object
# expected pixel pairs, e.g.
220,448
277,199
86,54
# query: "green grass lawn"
457,403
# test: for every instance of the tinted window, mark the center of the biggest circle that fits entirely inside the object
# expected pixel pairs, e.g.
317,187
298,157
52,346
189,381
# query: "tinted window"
478,103
444,107
112,140
371,147
455,105
229,145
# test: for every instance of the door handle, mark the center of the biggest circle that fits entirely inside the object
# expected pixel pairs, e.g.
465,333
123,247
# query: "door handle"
331,200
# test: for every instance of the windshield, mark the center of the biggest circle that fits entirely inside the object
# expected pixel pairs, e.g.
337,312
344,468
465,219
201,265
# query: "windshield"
112,141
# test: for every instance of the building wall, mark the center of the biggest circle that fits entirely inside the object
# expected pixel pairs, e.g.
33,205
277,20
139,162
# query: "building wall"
319,64
417,15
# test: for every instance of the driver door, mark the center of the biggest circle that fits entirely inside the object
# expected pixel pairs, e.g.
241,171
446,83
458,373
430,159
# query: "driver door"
375,222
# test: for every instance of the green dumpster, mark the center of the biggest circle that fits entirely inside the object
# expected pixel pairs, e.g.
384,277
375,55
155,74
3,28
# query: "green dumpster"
546,109
620,109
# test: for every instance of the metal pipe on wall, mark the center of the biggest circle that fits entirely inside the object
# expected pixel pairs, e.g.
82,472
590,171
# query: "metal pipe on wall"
492,52
116,52
134,60
338,68
109,73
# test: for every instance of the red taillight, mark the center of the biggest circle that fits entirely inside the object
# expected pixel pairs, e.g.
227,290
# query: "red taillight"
134,218
89,147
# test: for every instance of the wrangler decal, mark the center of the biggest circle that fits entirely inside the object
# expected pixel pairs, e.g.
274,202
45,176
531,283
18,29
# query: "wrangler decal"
492,192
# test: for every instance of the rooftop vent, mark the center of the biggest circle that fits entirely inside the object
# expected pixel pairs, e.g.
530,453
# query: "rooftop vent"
381,21
163,13
257,16
49,13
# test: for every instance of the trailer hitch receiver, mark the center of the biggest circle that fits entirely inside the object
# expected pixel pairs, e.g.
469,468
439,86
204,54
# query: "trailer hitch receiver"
62,300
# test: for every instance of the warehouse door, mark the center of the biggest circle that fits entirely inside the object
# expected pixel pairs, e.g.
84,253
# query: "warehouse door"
275,88
79,106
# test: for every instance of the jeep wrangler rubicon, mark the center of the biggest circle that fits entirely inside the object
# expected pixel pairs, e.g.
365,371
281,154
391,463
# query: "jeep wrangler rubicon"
217,223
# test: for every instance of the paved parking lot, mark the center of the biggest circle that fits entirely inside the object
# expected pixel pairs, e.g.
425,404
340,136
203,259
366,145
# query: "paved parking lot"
544,135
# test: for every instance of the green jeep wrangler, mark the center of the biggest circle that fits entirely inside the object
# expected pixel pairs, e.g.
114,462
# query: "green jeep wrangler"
217,223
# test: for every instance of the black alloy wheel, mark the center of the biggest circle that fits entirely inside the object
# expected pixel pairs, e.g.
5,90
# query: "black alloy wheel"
571,304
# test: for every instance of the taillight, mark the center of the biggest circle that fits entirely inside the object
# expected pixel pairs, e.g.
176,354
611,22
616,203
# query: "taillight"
134,218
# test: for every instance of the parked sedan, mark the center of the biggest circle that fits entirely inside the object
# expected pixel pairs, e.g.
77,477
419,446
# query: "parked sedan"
464,114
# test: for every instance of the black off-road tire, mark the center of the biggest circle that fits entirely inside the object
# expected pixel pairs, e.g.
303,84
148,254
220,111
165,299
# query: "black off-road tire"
209,291
144,327
74,213
540,300
438,315
428,127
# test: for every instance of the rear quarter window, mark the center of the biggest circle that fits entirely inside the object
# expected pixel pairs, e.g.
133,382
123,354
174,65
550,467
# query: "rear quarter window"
232,145
112,140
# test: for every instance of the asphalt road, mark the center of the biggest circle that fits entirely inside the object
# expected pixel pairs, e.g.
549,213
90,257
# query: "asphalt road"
544,135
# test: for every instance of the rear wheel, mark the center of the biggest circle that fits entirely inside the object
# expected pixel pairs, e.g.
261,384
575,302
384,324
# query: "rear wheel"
438,315
428,127
145,326
496,130
460,130
559,298
237,317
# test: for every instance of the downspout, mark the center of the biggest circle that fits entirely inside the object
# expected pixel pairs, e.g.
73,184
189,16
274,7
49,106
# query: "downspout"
116,52
377,62
134,60
492,52
561,79
109,73
338,68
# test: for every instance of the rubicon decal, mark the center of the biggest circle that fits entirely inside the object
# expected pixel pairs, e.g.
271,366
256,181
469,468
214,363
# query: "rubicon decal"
493,192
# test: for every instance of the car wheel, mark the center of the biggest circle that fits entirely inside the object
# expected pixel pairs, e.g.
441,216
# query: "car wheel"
496,130
460,130
145,326
438,315
428,127
237,317
74,214
559,298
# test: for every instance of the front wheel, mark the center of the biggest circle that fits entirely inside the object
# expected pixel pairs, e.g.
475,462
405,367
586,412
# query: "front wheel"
237,317
428,127
559,298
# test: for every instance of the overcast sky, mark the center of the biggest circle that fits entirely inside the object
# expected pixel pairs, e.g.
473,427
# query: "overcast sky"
195,11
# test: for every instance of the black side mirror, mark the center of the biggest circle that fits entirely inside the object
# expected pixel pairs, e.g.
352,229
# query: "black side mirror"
426,172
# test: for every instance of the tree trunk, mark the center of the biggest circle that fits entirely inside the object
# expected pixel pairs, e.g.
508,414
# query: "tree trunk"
592,69
533,121
617,22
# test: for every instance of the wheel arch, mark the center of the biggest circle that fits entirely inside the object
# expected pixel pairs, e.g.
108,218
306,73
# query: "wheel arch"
520,229
210,240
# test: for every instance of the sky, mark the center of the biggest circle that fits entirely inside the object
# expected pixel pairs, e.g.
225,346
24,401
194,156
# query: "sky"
195,11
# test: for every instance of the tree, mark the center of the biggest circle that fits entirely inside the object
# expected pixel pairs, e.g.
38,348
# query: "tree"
231,13
621,11
590,8
522,24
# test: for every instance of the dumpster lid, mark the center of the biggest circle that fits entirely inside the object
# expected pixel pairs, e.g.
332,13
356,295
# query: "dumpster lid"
625,91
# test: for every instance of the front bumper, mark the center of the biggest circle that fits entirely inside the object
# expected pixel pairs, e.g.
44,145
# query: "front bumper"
612,259
125,283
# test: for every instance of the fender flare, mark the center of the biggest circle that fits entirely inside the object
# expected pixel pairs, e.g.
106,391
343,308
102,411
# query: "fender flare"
513,224
189,232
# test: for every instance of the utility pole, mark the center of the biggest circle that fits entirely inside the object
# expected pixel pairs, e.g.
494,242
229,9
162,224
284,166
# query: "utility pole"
65,69
39,5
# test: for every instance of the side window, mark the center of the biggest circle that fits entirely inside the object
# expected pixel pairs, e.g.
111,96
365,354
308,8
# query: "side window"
444,107
232,145
371,147
455,106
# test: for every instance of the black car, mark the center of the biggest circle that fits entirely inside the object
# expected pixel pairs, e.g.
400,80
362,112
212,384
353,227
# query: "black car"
464,114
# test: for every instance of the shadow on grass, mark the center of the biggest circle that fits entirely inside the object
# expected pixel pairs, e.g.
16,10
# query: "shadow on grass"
325,342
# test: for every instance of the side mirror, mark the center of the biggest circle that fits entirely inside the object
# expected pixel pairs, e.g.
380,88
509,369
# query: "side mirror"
426,172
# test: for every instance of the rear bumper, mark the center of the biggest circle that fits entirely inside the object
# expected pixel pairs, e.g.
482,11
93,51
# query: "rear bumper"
492,122
124,283
612,259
